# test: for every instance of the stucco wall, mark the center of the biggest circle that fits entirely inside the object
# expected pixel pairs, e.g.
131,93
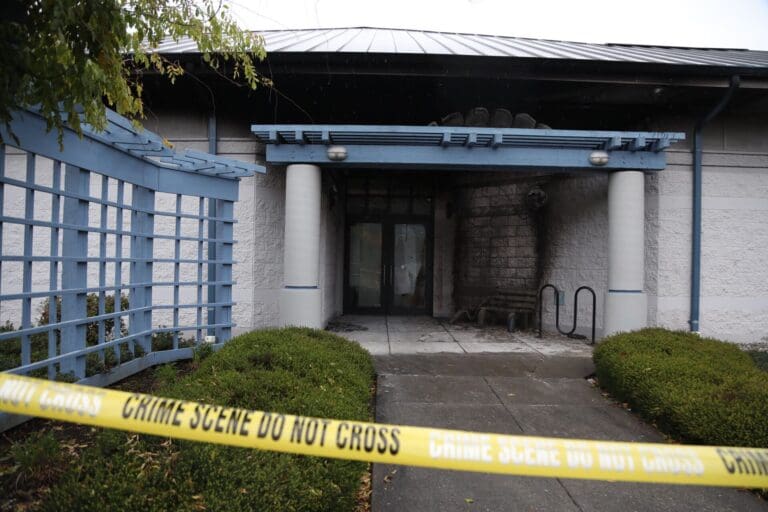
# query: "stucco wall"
734,299
734,270
331,249
574,246
260,211
13,235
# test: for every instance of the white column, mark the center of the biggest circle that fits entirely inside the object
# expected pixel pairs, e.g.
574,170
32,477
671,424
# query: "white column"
626,306
300,298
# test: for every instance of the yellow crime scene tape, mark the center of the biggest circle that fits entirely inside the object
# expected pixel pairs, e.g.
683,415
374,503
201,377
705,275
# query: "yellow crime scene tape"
389,444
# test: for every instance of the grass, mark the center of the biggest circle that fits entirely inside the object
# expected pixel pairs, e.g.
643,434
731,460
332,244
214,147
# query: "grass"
693,389
295,371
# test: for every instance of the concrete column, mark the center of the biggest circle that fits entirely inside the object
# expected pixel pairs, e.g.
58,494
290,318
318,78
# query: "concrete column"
626,306
300,299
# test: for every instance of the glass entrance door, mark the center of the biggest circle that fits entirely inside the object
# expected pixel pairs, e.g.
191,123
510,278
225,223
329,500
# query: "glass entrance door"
408,268
364,274
388,268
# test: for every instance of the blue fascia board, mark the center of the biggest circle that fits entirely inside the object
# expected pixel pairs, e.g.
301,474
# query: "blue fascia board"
460,147
263,130
463,158
97,156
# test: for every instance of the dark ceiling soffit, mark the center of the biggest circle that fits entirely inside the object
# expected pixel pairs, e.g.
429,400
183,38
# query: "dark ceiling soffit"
502,68
461,148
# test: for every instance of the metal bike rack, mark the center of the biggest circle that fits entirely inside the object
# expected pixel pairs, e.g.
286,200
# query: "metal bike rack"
572,332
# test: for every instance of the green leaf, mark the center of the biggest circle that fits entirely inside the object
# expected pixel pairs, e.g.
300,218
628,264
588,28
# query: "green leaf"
92,53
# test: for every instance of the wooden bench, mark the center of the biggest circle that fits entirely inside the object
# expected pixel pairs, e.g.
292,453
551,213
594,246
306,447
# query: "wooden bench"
516,306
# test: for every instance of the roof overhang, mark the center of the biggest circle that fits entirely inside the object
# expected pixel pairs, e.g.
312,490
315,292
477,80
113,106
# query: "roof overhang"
464,148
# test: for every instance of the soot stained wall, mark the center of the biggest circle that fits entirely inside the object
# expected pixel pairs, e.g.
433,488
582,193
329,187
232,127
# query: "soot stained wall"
496,241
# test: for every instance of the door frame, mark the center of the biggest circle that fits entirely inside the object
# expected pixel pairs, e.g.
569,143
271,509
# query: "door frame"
387,246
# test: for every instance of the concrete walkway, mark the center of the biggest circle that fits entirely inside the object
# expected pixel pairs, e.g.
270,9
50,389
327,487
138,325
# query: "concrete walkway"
430,374
394,335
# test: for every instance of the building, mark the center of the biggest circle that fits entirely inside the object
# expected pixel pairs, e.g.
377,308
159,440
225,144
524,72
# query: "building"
433,219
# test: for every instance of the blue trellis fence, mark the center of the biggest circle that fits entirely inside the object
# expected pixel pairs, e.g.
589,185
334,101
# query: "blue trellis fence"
116,252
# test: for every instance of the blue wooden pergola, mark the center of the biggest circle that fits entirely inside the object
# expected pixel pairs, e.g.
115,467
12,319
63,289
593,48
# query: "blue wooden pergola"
465,148
131,154
103,187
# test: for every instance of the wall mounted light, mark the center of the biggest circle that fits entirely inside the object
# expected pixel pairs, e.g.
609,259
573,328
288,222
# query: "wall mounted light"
598,158
337,153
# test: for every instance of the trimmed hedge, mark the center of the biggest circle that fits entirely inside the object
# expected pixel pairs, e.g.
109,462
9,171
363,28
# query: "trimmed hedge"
760,358
295,371
694,389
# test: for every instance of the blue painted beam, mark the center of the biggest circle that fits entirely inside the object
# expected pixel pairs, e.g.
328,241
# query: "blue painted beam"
74,269
463,158
333,134
464,148
224,253
97,155
26,280
53,268
143,227
212,267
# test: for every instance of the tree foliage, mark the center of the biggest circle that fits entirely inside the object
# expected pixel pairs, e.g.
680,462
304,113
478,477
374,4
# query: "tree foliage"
72,57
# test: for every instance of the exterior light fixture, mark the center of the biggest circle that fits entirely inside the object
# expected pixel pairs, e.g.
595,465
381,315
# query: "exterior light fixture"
337,153
598,158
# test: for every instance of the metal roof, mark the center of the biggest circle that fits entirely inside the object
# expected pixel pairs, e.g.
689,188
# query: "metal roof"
420,42
463,147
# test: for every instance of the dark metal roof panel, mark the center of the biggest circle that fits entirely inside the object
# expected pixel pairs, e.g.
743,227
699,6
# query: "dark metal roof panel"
401,41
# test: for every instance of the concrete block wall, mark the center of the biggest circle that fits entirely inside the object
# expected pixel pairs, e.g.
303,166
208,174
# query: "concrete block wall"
495,242
734,298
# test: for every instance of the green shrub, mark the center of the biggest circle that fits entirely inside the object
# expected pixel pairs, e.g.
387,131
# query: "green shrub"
698,390
202,352
760,358
295,371
164,341
37,460
92,309
10,350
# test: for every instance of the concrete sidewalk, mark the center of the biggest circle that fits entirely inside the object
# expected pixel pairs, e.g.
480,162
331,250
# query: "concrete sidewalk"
517,394
430,374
